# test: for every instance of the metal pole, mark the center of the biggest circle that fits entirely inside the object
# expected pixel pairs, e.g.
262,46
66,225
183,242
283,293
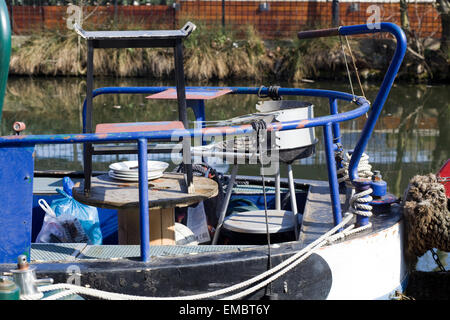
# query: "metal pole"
293,199
277,188
332,177
385,87
182,113
87,152
335,13
115,12
223,210
336,129
223,13
143,200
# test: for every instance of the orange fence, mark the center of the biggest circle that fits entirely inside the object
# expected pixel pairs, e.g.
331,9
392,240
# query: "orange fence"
273,19
28,19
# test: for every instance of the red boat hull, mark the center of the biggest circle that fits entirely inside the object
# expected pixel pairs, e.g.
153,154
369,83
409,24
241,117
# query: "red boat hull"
444,177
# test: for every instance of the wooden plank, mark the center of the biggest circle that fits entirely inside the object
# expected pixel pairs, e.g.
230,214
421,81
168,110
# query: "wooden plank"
191,94
167,226
161,224
123,217
138,126
166,192
155,220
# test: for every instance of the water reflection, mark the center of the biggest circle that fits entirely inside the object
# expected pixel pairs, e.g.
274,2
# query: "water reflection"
412,136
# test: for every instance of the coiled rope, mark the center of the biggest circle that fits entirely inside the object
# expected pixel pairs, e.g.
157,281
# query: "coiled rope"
271,274
357,202
425,207
364,169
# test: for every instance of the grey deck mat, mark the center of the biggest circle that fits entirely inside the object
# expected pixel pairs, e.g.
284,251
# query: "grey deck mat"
45,252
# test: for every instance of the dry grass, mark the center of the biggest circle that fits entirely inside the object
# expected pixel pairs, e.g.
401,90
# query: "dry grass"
211,53
218,54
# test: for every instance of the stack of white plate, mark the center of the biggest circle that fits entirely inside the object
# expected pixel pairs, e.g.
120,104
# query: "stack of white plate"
128,170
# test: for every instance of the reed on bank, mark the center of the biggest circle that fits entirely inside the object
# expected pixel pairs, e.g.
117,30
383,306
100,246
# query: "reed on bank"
215,53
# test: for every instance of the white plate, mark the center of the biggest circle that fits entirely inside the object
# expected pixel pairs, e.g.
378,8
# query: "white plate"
127,175
132,166
131,174
134,174
151,176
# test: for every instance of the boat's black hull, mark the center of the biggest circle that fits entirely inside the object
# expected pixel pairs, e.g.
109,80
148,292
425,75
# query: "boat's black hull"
189,275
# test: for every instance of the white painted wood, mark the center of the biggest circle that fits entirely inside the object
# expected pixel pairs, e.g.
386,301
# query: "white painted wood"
369,267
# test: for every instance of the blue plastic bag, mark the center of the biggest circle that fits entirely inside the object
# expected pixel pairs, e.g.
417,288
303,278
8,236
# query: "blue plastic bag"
68,185
86,215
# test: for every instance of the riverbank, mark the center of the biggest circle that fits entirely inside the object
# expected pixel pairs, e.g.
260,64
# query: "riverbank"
224,55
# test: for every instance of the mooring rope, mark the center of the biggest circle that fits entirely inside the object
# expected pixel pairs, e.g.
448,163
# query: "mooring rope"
36,296
354,67
260,128
425,207
358,203
346,66
364,169
271,274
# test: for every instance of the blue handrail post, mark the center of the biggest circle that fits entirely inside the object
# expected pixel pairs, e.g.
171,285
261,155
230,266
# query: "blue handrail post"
332,174
384,88
143,200
337,146
336,128
198,106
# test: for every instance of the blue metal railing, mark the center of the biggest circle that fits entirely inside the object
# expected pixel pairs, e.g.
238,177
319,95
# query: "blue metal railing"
384,88
330,124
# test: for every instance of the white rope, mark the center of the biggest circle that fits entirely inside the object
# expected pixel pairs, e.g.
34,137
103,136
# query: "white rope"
276,276
364,169
285,266
348,231
358,203
35,296
61,294
354,66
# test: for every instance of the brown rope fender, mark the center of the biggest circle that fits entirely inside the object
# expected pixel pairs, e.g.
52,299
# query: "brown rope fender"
427,217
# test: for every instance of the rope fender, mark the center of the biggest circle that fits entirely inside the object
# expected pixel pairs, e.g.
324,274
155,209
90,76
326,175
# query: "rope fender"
426,215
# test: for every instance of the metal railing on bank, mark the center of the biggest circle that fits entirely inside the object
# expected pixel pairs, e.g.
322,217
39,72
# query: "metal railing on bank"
272,19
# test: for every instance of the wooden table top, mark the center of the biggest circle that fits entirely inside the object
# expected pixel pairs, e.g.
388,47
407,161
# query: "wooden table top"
166,192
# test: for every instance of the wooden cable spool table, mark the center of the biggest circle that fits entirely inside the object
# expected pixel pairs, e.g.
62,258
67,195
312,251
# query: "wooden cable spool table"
165,194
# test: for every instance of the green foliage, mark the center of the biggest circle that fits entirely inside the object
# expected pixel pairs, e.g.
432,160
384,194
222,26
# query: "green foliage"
210,37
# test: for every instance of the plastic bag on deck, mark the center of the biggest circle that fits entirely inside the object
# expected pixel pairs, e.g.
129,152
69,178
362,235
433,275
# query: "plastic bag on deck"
86,216
68,220
61,229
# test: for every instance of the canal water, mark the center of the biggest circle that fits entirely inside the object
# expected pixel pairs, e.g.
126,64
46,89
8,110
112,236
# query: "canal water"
411,137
